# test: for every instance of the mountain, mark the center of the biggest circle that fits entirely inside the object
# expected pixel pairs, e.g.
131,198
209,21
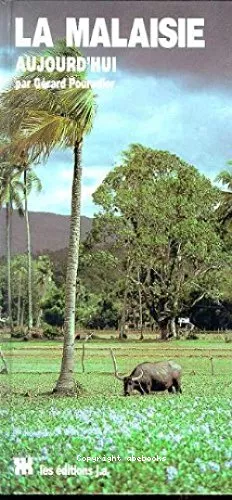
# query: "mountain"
48,232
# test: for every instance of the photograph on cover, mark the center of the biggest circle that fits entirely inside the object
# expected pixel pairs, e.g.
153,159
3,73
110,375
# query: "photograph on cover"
115,247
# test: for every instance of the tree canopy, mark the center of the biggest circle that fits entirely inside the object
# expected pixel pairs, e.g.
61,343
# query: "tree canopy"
163,212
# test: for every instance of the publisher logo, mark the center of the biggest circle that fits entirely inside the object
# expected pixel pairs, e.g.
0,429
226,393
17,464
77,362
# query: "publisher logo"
23,466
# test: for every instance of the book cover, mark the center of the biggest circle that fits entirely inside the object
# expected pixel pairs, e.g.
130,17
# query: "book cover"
115,247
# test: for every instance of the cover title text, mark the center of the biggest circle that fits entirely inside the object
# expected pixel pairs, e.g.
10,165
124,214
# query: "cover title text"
166,32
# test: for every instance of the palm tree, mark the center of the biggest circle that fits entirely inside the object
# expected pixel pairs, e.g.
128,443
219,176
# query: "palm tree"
47,119
11,195
225,209
12,179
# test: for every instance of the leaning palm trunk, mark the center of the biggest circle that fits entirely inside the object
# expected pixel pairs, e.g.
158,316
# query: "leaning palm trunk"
29,273
8,244
66,382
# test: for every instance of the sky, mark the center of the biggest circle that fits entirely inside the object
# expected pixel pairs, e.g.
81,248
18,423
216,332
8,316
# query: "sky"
178,100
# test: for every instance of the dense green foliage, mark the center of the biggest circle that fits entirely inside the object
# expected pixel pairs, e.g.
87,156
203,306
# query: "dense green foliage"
162,212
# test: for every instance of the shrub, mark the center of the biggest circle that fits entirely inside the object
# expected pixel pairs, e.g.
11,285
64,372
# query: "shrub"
51,332
191,336
18,333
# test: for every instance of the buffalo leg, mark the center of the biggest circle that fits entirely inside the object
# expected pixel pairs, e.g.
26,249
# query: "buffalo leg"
177,386
143,389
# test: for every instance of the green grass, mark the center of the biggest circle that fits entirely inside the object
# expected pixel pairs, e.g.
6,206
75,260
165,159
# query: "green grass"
192,431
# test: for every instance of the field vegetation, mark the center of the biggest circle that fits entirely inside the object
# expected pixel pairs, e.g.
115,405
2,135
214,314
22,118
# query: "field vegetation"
192,431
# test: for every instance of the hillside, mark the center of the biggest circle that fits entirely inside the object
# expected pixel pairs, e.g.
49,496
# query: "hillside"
48,232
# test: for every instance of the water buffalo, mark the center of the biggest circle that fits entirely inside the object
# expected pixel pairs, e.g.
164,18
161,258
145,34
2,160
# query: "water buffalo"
149,377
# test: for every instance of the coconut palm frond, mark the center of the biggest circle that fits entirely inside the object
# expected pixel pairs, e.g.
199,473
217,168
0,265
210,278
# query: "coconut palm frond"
15,106
33,181
79,103
225,177
11,191
42,132
225,207
17,202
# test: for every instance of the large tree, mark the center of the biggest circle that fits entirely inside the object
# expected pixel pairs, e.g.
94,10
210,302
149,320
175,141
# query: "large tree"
50,118
163,211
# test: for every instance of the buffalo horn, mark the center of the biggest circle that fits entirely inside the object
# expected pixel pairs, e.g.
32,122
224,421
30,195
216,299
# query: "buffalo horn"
137,378
119,377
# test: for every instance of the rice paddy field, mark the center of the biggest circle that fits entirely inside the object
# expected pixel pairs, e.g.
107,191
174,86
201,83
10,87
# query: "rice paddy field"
104,443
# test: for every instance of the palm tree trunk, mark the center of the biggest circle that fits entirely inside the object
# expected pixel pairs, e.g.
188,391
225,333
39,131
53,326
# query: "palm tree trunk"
22,315
29,273
38,321
19,300
66,382
8,244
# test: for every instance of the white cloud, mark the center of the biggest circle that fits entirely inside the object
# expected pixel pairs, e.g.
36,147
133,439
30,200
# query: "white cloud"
56,196
93,173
